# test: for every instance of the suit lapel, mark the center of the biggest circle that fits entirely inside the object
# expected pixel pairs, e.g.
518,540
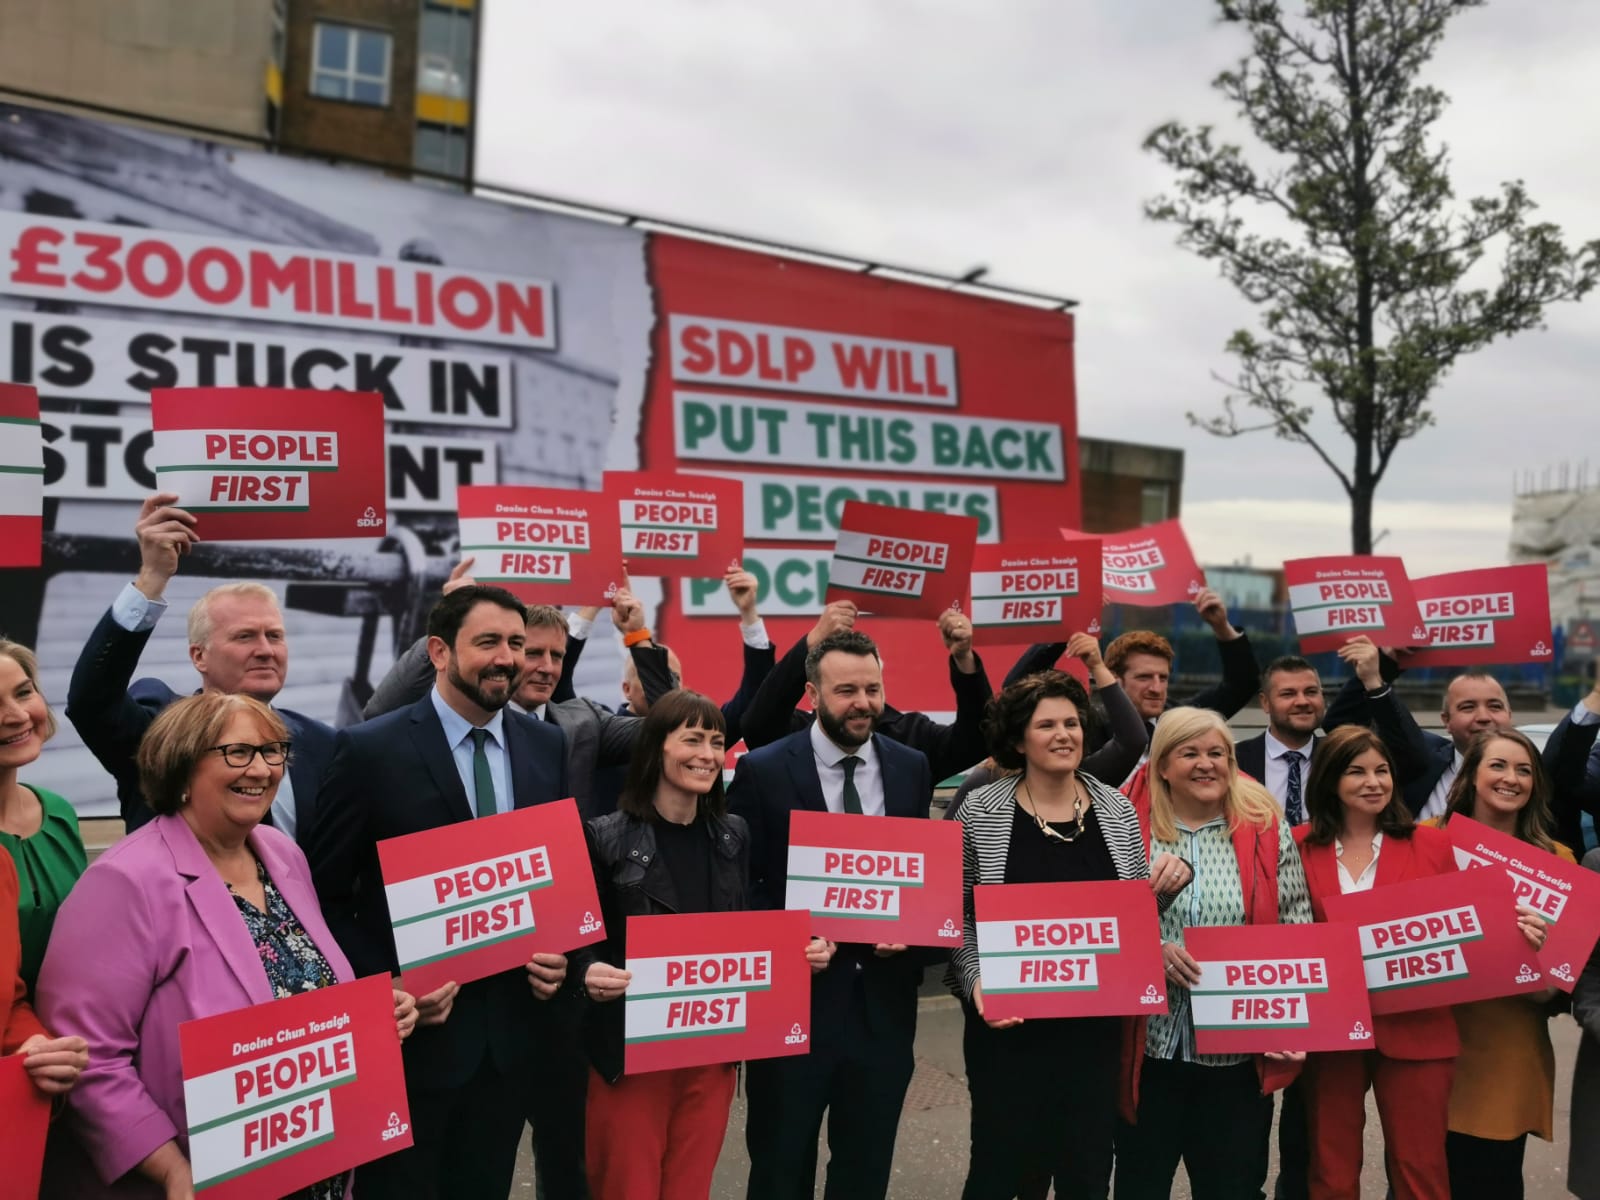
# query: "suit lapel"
1322,870
303,778
215,909
1396,861
898,797
525,789
803,774
435,754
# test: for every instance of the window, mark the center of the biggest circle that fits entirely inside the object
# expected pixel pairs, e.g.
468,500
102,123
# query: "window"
1153,501
351,64
440,148
444,58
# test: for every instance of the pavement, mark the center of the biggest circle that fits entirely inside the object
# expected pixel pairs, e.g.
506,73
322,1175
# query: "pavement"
931,1154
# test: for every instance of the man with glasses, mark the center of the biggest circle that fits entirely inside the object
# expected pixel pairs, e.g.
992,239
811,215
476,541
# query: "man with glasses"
237,644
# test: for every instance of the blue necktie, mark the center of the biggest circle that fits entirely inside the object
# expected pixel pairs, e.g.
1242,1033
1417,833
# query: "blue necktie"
1294,809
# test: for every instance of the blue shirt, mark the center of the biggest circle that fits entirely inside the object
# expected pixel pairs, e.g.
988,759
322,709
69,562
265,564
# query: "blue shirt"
458,736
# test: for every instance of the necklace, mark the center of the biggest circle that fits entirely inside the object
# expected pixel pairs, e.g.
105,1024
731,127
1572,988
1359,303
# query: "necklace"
1079,799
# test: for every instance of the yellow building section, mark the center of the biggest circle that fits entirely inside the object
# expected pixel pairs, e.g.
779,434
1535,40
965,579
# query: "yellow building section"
274,84
443,110
468,5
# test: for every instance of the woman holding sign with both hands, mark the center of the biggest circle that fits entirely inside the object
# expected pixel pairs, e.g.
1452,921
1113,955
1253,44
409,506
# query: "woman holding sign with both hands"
671,847
1506,1073
201,911
1212,1111
1044,1092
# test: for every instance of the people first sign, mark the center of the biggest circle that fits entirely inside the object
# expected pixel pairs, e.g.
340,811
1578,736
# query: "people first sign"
1267,988
716,988
21,477
475,898
1035,591
1069,949
898,563
1495,615
876,879
1445,939
544,545
678,525
1151,565
283,1095
1558,890
1339,597
268,463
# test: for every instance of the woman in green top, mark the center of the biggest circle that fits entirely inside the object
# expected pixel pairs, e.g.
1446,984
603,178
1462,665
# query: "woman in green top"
38,827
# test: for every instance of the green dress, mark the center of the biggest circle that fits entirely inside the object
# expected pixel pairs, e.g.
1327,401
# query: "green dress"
48,864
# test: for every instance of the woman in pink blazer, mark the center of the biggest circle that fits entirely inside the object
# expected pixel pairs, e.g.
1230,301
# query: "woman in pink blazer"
201,911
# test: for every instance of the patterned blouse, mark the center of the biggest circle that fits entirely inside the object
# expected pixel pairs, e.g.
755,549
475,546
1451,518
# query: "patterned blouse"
293,965
1215,898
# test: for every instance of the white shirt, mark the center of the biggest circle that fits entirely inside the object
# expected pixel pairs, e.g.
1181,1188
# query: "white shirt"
137,613
1277,771
1582,714
754,634
868,776
458,736
1368,876
1439,798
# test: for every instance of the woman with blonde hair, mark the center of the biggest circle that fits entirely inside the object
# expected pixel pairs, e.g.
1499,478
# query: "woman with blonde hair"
1212,1112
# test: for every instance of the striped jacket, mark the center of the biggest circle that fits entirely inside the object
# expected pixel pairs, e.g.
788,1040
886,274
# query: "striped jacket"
986,817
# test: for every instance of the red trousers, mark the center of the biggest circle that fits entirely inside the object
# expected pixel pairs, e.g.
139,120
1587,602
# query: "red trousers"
657,1136
1413,1105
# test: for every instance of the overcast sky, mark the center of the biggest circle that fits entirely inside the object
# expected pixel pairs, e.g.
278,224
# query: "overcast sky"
952,133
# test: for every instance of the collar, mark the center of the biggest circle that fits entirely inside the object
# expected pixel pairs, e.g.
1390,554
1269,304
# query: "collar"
456,727
1276,749
830,755
538,714
1221,819
1377,845
1456,759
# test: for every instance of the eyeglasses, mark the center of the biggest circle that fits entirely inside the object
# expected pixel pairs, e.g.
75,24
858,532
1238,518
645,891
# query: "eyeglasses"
242,754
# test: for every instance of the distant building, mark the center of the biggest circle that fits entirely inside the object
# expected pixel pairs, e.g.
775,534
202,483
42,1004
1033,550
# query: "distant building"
391,82
1125,484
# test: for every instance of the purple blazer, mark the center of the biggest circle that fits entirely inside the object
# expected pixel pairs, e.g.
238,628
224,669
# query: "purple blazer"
147,939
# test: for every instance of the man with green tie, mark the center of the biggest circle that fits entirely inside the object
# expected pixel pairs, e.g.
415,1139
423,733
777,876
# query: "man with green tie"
457,754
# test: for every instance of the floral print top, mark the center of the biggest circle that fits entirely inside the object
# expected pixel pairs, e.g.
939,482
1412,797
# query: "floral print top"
293,965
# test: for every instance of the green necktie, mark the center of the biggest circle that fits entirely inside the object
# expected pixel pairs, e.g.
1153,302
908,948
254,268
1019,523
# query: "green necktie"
482,781
852,798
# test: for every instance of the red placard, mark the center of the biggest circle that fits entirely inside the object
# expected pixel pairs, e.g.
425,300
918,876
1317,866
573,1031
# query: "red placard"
1445,939
475,898
1069,949
1342,596
1266,988
716,988
1150,565
281,1095
1563,893
266,463
1036,591
24,1124
1493,615
898,563
544,545
683,526
876,879
21,477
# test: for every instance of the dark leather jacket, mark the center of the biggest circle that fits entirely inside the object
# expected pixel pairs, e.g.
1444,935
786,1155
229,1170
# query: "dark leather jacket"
632,881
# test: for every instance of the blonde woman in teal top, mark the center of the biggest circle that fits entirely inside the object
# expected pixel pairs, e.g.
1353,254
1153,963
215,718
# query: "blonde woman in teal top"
37,827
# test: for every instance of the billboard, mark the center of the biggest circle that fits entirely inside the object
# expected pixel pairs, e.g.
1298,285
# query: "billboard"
510,346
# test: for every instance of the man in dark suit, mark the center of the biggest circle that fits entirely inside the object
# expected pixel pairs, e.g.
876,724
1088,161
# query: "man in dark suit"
1572,757
1291,696
237,644
472,1074
772,714
864,1006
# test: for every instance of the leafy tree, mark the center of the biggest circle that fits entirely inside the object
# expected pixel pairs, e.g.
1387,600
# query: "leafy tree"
1359,258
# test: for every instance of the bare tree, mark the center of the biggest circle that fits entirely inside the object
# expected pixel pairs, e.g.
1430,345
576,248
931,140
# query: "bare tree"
1363,295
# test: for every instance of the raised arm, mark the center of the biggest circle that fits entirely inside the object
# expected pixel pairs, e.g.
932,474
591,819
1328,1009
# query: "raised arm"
1130,737
1241,674
770,714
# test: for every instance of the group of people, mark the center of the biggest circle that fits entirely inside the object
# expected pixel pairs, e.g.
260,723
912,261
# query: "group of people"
250,872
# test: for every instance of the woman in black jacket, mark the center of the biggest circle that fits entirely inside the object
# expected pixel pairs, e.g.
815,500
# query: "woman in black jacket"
671,847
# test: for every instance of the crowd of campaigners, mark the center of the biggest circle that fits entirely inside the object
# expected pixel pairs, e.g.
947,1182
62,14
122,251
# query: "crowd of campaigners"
249,873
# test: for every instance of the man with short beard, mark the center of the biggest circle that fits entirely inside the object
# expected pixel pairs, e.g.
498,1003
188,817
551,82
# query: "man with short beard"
864,1006
457,754
1280,758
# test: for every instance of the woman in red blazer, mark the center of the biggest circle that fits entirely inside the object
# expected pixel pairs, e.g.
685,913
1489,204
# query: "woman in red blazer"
1360,836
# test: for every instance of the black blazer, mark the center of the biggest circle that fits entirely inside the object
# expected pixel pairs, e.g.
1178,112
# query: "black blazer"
769,784
392,776
1420,758
1569,756
111,716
